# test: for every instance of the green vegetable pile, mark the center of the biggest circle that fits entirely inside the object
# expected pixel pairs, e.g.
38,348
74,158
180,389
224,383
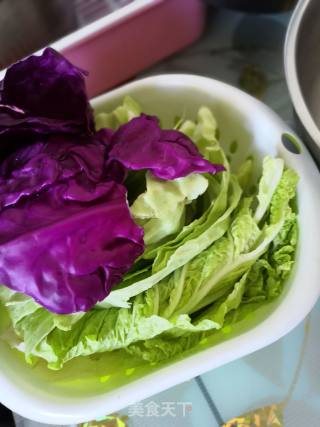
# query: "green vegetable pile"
214,249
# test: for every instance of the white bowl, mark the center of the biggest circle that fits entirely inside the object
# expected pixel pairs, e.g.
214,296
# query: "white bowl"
81,392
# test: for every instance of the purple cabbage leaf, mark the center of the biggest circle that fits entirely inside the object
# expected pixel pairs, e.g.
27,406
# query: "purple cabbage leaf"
168,154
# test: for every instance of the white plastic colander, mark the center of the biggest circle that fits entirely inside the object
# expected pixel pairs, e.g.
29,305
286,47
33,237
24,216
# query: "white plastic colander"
87,388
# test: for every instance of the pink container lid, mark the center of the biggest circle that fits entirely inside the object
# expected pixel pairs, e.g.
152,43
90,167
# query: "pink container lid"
118,46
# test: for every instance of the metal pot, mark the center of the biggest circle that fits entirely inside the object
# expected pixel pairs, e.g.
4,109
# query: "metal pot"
302,68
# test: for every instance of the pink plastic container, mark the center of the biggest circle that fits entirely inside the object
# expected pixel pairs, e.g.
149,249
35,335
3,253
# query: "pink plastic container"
116,47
